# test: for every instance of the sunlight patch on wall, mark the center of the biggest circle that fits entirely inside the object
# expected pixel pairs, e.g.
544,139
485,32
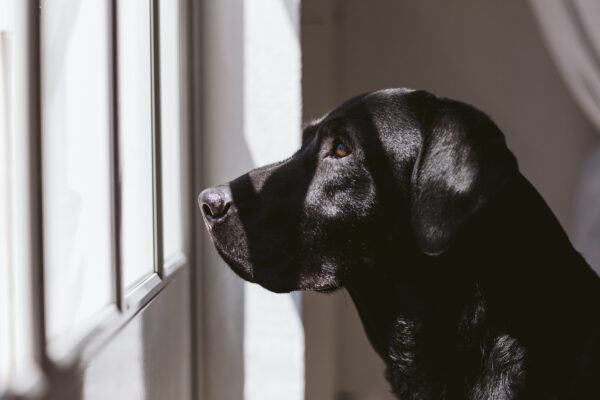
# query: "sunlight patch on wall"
273,332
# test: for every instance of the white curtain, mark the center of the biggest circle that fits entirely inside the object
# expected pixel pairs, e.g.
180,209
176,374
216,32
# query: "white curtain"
587,233
571,29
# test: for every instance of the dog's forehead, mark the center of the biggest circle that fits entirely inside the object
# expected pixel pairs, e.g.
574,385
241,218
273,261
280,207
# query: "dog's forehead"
373,104
382,111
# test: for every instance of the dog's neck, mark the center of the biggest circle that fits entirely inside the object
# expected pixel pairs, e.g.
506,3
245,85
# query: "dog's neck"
414,325
446,325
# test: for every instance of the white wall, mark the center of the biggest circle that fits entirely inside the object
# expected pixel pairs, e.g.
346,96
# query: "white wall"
489,54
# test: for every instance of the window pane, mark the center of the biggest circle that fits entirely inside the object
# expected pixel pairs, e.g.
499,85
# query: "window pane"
5,215
171,128
76,163
135,132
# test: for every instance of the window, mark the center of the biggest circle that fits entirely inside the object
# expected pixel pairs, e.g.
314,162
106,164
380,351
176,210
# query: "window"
82,181
76,164
135,139
170,128
5,144
19,315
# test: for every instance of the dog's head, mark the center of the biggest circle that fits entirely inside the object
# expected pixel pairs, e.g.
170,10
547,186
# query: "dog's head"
390,172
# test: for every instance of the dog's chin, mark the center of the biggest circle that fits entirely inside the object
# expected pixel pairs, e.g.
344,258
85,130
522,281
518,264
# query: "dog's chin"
241,266
326,289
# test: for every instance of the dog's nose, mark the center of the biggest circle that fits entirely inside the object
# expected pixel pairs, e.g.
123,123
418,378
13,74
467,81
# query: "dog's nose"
215,202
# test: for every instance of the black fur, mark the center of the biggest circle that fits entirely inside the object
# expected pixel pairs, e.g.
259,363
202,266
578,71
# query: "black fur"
466,284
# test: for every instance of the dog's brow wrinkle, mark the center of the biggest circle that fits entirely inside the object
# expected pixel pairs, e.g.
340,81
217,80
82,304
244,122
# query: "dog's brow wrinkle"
393,91
312,123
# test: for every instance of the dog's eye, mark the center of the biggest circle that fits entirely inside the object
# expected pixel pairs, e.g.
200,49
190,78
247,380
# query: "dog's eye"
340,150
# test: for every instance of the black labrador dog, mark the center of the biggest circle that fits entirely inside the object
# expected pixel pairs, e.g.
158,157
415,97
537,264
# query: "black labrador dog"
466,284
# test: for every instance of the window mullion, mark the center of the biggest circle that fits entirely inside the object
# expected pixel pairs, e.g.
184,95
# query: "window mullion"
30,340
156,139
117,281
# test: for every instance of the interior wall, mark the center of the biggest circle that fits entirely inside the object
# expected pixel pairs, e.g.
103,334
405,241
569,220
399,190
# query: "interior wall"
489,54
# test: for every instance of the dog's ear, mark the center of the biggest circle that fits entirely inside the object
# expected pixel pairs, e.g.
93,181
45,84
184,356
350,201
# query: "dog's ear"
462,164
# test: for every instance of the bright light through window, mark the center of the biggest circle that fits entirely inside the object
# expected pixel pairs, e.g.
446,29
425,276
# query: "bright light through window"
135,132
171,128
76,161
5,214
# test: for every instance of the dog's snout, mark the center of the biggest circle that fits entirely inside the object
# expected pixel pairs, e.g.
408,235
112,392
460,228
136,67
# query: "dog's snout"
215,202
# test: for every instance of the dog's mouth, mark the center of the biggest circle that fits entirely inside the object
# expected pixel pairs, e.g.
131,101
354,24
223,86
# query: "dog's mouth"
239,265
229,239
270,274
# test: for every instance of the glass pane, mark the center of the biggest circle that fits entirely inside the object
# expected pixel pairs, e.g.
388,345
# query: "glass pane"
5,214
171,128
135,132
76,163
